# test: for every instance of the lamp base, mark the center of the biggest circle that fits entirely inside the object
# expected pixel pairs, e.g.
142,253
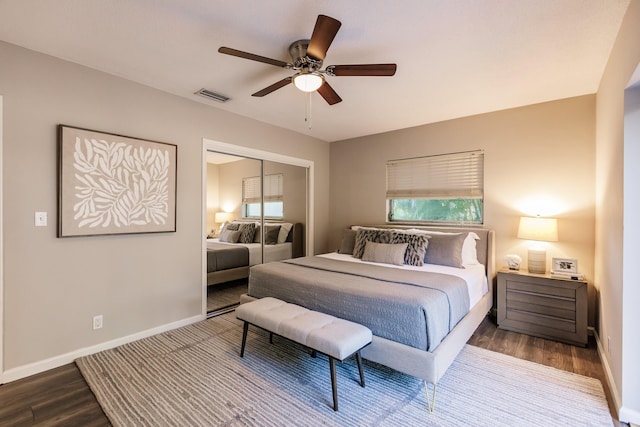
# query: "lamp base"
537,261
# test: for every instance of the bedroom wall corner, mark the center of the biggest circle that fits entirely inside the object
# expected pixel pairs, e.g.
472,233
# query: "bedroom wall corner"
615,269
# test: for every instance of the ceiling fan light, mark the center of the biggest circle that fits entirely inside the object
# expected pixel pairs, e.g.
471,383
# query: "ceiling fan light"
308,82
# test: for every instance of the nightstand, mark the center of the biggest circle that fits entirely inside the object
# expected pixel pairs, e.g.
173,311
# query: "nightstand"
542,306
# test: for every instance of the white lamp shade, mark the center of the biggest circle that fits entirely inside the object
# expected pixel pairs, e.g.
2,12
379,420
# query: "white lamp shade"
537,228
308,82
221,217
540,229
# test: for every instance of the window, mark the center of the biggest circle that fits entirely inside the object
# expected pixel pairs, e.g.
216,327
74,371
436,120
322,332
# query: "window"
273,199
448,188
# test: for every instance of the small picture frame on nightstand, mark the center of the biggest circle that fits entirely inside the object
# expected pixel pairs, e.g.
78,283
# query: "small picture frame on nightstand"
564,266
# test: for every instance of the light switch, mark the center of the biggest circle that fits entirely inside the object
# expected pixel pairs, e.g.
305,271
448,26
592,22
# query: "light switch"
41,219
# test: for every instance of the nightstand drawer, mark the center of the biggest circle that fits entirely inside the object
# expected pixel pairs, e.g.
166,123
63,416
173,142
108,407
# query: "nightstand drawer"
533,319
541,289
546,310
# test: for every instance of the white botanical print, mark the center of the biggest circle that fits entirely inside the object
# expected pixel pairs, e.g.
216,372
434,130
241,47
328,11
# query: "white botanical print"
119,185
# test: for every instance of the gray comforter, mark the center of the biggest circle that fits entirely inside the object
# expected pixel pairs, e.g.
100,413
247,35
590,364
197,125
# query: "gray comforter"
224,257
410,307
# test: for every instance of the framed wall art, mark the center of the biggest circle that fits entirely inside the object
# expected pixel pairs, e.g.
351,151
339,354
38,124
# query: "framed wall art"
114,184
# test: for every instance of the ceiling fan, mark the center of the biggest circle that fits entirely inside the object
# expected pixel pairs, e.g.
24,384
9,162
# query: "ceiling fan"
307,58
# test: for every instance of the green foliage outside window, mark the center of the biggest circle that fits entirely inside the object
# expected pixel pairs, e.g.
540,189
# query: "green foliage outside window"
436,210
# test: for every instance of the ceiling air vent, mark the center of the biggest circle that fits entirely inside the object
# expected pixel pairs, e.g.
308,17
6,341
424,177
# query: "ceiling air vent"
212,95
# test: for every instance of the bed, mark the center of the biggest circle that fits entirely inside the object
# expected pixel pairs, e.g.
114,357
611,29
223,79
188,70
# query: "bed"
413,331
231,260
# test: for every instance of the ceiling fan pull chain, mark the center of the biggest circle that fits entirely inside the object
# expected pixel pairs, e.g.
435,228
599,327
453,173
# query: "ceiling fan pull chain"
308,111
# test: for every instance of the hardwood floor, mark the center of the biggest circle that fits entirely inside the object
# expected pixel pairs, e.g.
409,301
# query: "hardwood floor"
61,397
225,295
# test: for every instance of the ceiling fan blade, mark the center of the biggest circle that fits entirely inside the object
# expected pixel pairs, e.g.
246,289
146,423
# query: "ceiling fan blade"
253,57
362,70
277,85
329,94
323,34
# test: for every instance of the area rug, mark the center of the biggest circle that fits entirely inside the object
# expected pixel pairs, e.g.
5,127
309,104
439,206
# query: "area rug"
193,376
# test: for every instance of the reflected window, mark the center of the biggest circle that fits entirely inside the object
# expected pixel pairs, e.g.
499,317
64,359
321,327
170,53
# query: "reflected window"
273,197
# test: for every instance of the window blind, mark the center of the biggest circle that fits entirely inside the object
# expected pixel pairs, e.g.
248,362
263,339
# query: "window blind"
273,189
447,176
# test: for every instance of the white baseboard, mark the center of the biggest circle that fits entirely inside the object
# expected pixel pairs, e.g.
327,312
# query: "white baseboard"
625,415
56,361
607,373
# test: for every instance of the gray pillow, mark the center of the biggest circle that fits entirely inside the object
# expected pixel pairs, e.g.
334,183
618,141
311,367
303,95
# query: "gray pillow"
445,249
230,236
271,234
348,242
384,253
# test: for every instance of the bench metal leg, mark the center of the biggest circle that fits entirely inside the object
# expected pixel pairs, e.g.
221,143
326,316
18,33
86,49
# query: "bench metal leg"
334,385
244,338
360,371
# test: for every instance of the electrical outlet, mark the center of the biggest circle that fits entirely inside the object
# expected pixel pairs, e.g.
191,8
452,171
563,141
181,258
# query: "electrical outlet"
609,344
97,322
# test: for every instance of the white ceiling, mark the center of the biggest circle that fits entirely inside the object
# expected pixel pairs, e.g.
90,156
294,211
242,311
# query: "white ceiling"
455,58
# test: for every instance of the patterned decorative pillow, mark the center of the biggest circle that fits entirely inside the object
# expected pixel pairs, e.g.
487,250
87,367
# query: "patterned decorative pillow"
364,235
247,232
416,243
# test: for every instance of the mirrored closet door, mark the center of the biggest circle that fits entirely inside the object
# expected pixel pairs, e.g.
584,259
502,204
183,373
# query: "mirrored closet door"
256,212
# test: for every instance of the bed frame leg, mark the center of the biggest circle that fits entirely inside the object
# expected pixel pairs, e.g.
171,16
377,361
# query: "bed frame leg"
431,403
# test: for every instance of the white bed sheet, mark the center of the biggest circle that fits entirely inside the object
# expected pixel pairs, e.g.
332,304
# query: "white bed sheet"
272,253
474,275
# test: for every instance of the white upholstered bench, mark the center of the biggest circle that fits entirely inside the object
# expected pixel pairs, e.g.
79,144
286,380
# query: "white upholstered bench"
336,338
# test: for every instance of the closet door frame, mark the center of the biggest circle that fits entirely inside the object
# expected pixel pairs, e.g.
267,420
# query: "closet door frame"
237,150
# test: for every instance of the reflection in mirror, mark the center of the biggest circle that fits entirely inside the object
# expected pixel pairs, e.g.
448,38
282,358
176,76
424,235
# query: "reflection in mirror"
256,211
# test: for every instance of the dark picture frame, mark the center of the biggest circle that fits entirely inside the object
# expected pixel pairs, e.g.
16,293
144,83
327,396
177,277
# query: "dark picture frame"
113,184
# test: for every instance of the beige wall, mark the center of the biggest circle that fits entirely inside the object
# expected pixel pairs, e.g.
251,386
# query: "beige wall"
538,159
617,175
53,287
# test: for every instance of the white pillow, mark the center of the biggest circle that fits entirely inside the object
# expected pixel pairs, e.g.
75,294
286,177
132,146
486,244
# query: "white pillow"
469,252
285,227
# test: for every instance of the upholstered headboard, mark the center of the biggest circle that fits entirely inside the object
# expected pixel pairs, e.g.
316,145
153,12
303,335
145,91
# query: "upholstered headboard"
296,237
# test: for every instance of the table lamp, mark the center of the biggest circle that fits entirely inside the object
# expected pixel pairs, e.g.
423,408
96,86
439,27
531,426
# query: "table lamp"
221,218
540,230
